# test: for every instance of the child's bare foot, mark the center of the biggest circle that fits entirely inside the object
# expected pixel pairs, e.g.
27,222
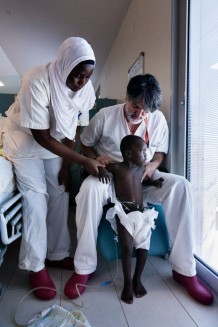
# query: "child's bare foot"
138,289
127,294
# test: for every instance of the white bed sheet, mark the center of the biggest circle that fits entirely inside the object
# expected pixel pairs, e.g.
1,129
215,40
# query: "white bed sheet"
7,180
10,205
2,126
10,200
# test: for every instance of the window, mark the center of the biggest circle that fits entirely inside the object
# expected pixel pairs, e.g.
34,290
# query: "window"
202,125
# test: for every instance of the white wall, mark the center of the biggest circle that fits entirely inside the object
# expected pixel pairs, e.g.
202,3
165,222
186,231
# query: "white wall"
146,27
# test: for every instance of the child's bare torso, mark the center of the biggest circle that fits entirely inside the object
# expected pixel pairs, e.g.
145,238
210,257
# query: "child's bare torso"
127,182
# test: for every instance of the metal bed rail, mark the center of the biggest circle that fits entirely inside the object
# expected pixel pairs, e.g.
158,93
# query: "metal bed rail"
11,219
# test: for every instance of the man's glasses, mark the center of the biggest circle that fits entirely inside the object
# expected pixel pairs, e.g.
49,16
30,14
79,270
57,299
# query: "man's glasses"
138,105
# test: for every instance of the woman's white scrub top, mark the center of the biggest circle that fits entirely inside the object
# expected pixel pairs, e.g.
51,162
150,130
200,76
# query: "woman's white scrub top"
31,110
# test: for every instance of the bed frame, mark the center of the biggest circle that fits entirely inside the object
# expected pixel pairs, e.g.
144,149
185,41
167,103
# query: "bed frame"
10,219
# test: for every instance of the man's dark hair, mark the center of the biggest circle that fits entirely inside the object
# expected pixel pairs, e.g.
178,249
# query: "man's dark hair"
128,142
147,88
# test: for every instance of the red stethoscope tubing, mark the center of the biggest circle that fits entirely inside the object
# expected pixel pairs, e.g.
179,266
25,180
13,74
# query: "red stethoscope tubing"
146,132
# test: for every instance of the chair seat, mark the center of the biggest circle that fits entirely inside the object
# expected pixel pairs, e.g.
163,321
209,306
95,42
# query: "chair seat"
111,250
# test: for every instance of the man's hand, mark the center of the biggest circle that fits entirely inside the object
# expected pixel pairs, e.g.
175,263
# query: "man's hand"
149,171
153,165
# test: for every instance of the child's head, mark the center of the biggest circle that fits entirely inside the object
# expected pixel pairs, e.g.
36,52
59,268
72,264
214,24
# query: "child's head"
133,148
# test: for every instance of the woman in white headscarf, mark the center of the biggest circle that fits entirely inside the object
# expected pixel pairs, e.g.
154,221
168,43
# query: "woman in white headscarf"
40,142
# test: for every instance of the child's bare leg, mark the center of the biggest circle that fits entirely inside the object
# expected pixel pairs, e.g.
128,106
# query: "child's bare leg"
138,288
127,247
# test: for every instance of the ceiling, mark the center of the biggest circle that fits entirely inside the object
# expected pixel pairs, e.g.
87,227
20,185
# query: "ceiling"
32,31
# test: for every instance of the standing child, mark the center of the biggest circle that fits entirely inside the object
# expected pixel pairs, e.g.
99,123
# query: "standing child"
129,217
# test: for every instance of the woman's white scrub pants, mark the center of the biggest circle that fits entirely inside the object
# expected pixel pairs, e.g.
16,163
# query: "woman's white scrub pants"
45,212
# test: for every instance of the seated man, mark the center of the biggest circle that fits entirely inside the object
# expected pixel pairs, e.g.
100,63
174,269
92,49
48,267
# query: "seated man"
140,116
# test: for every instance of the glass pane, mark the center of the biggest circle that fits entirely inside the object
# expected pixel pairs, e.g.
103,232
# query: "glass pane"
203,125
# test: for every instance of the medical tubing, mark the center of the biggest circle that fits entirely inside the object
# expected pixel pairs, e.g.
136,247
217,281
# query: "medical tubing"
102,284
25,295
105,283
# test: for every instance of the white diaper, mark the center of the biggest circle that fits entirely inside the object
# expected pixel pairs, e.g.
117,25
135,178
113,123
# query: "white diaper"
138,224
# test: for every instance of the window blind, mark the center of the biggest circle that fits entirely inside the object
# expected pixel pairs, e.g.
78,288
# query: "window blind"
202,121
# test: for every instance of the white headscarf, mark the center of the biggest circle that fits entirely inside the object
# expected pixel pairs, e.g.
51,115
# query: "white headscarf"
67,104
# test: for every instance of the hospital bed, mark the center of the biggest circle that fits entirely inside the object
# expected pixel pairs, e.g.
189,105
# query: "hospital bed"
10,206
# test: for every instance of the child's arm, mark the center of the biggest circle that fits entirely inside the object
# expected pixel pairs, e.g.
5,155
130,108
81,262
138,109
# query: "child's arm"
104,175
155,182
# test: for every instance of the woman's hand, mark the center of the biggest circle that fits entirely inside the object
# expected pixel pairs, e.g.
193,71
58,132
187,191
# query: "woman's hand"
104,160
64,177
91,166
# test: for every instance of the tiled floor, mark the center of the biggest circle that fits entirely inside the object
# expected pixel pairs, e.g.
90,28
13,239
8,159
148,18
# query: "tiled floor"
166,304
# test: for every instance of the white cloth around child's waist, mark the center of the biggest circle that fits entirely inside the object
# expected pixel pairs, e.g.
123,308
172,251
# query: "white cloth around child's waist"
138,224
